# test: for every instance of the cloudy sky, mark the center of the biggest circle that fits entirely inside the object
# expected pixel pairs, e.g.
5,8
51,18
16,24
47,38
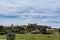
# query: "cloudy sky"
43,12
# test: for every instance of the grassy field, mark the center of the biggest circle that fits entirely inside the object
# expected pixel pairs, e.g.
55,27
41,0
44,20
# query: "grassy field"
34,37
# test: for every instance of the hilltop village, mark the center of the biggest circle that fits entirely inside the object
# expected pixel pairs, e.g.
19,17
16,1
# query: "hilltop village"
30,28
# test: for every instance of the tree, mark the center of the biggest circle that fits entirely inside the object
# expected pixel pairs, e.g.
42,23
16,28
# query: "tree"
1,29
43,30
59,30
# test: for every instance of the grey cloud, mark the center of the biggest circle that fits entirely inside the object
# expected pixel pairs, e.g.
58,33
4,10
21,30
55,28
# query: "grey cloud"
27,6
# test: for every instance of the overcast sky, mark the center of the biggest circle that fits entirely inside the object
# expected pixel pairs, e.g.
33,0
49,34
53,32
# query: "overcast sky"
43,12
